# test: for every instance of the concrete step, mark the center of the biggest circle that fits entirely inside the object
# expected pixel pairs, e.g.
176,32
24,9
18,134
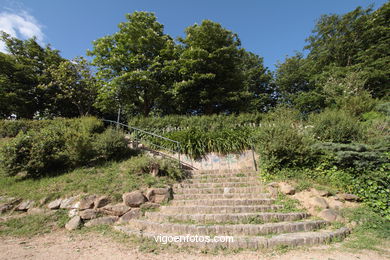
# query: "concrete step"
222,196
216,184
251,179
244,218
223,190
218,209
222,202
249,242
227,230
223,175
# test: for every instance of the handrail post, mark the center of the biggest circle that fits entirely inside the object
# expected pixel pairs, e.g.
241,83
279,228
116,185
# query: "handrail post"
178,152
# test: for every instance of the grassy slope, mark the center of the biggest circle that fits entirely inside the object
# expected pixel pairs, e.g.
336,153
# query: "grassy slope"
112,179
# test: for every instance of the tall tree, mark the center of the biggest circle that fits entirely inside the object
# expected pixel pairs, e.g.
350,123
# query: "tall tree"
73,82
131,64
211,80
258,84
16,89
34,60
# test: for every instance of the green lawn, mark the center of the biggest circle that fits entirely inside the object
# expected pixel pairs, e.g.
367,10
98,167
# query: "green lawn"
112,179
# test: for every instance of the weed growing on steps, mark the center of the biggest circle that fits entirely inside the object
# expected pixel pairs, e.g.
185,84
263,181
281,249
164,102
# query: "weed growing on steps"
289,205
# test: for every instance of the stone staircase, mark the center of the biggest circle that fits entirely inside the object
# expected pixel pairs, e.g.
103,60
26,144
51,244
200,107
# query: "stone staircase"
231,204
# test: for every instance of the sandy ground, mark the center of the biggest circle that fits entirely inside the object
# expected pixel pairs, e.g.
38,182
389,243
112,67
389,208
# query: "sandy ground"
62,245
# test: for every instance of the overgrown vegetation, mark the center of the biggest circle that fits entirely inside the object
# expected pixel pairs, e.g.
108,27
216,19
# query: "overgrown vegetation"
344,164
61,145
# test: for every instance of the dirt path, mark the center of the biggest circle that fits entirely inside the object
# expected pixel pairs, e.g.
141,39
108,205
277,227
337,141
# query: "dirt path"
62,245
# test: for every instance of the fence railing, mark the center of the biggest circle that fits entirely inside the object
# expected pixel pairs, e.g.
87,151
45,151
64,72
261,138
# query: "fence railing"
138,136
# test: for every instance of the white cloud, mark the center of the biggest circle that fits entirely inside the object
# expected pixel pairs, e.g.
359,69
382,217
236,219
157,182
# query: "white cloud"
20,25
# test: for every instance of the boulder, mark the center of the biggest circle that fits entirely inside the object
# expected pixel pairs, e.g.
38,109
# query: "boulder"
115,210
329,215
55,204
132,214
74,223
10,204
318,202
335,204
88,214
68,203
321,193
273,184
101,202
273,191
159,195
286,188
87,202
25,205
133,199
72,213
149,205
101,221
5,207
347,196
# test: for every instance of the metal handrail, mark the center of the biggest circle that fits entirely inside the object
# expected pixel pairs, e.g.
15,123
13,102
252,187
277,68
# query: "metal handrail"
178,144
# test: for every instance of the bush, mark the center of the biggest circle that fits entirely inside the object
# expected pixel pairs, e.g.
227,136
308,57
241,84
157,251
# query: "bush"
144,164
354,156
282,141
61,145
196,142
10,128
336,126
180,122
111,144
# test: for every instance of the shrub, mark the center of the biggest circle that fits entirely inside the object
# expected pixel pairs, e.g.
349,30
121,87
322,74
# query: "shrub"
14,154
111,144
10,128
143,164
354,156
336,126
60,145
281,141
196,142
206,122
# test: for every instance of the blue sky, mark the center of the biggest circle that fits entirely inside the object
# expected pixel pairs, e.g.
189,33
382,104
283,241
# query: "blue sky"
271,29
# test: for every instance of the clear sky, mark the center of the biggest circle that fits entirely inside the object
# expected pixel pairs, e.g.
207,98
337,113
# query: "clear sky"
271,29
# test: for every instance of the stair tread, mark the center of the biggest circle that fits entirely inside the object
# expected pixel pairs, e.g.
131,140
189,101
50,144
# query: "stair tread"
255,242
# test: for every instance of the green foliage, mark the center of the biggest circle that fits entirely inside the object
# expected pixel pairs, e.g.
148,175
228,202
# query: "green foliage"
336,126
73,82
197,142
143,164
359,157
282,141
61,145
28,226
11,128
133,64
210,76
172,123
111,144
368,221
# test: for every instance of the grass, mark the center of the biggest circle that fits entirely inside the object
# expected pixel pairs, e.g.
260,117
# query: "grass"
32,225
111,179
372,231
289,205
